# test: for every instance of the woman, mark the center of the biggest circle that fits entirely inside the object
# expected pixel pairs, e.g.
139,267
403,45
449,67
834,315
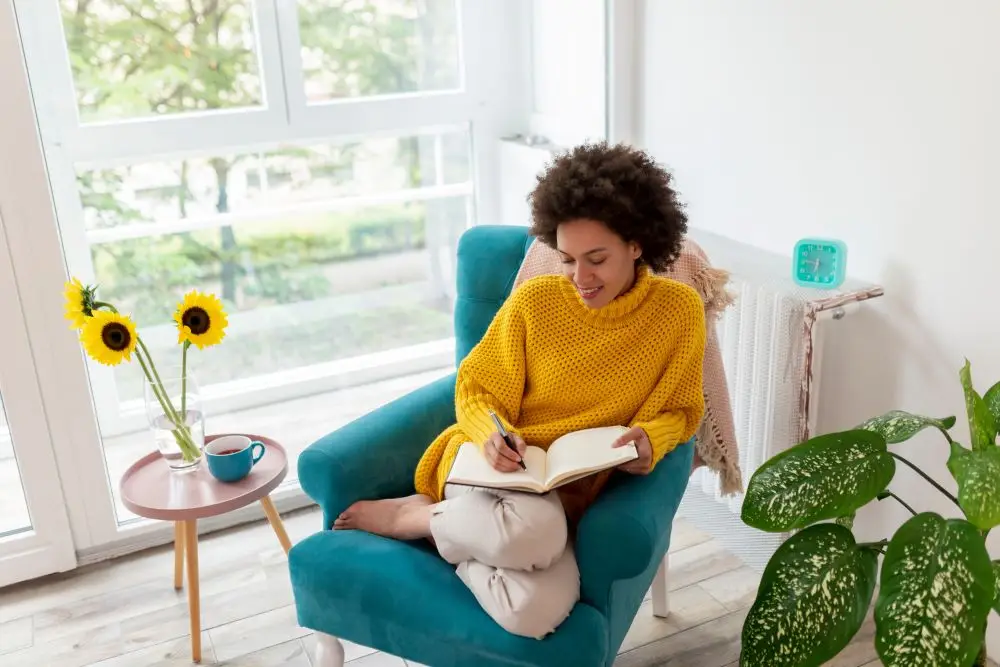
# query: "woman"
607,343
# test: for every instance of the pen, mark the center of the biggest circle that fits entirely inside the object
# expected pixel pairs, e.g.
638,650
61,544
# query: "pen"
506,438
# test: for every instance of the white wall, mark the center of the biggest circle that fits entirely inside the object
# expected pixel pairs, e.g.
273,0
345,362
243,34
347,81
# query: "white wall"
568,70
876,122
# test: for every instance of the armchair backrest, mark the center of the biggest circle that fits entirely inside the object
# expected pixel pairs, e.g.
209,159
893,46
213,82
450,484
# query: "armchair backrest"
489,258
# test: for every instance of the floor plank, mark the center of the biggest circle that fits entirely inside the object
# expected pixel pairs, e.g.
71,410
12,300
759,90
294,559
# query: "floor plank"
286,654
689,607
735,589
712,644
16,634
700,562
173,653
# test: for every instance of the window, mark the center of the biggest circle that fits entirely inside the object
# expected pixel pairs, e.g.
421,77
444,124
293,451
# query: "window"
313,163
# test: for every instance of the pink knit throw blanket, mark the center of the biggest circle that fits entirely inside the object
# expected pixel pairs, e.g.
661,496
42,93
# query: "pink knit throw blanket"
716,438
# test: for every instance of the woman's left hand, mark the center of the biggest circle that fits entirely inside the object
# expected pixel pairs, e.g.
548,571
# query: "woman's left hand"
644,464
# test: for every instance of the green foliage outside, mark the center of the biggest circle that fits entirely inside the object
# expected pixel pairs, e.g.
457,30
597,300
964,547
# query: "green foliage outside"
142,58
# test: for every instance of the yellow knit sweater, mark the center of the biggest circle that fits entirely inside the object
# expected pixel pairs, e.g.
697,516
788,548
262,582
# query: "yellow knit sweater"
548,364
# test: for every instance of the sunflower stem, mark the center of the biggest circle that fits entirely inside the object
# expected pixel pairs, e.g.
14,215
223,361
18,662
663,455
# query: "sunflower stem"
172,413
104,304
180,433
184,379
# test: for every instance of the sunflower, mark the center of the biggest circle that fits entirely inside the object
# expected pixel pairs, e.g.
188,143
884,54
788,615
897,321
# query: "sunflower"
200,320
79,302
109,338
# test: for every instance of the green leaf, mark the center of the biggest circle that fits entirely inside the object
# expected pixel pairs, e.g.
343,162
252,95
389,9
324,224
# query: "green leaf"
812,599
978,477
982,425
899,426
937,587
826,477
992,400
996,584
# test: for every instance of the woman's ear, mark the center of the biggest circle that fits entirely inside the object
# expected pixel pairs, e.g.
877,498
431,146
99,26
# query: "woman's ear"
635,250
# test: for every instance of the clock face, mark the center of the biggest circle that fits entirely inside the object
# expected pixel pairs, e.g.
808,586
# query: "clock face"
819,263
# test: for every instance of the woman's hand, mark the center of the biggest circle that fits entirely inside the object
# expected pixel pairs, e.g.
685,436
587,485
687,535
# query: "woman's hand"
500,456
644,464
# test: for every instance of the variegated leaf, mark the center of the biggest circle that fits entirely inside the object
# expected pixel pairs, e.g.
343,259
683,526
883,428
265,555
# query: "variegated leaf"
812,599
826,477
936,589
982,425
996,583
899,426
992,400
978,477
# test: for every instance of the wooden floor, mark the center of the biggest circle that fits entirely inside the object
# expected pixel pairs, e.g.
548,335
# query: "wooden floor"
126,613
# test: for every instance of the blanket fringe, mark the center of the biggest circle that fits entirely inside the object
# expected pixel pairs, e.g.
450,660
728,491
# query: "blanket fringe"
711,282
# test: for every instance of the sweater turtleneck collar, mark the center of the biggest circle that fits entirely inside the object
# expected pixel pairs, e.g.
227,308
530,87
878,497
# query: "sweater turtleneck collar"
621,307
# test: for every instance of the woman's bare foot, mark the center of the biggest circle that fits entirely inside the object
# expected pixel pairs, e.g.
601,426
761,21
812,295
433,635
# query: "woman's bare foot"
400,518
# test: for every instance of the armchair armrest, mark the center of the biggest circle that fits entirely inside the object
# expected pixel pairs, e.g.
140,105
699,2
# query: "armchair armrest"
375,456
626,531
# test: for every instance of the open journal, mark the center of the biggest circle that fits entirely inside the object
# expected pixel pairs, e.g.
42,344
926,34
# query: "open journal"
569,458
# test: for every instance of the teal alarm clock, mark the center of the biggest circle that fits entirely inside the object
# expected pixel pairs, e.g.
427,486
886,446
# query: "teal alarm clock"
820,263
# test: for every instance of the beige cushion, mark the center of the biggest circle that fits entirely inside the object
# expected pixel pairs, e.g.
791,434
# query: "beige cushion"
716,439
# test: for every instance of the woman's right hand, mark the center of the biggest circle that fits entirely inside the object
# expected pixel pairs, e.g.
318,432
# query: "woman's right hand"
500,455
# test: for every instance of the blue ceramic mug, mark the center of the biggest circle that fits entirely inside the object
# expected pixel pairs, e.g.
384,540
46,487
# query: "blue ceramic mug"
231,457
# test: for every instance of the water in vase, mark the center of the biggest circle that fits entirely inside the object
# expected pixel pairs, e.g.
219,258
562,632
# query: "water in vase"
163,432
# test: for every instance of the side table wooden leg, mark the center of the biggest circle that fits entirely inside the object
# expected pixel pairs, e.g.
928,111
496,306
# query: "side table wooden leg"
178,555
275,520
194,603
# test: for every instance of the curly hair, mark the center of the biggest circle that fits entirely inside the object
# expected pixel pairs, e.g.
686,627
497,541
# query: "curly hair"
617,185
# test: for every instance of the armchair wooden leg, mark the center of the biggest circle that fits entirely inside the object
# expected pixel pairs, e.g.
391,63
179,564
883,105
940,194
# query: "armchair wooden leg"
661,589
329,651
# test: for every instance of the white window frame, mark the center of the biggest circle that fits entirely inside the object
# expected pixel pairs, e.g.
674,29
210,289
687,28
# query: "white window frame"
492,102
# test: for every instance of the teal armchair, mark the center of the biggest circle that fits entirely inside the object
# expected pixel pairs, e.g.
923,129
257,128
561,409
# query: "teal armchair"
401,597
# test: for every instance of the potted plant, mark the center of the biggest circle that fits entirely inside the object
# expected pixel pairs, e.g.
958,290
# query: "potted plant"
937,582
110,338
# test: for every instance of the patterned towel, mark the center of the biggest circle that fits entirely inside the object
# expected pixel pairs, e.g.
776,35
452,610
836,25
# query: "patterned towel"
716,438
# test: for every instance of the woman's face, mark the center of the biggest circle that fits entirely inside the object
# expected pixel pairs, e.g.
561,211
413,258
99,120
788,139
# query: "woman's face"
598,261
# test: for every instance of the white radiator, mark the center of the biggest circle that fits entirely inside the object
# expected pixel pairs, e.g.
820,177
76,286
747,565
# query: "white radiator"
771,340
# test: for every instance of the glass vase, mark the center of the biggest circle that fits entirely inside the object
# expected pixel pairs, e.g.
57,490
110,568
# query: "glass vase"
176,418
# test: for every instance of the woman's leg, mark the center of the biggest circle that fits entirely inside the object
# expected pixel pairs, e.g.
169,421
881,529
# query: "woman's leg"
511,549
505,529
530,604
400,518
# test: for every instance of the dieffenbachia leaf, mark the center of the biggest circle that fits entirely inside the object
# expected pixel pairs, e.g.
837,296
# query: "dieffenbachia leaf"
982,425
936,589
899,426
992,400
826,477
812,599
978,477
996,583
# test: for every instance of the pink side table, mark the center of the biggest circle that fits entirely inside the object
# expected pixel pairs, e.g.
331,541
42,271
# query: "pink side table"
150,489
